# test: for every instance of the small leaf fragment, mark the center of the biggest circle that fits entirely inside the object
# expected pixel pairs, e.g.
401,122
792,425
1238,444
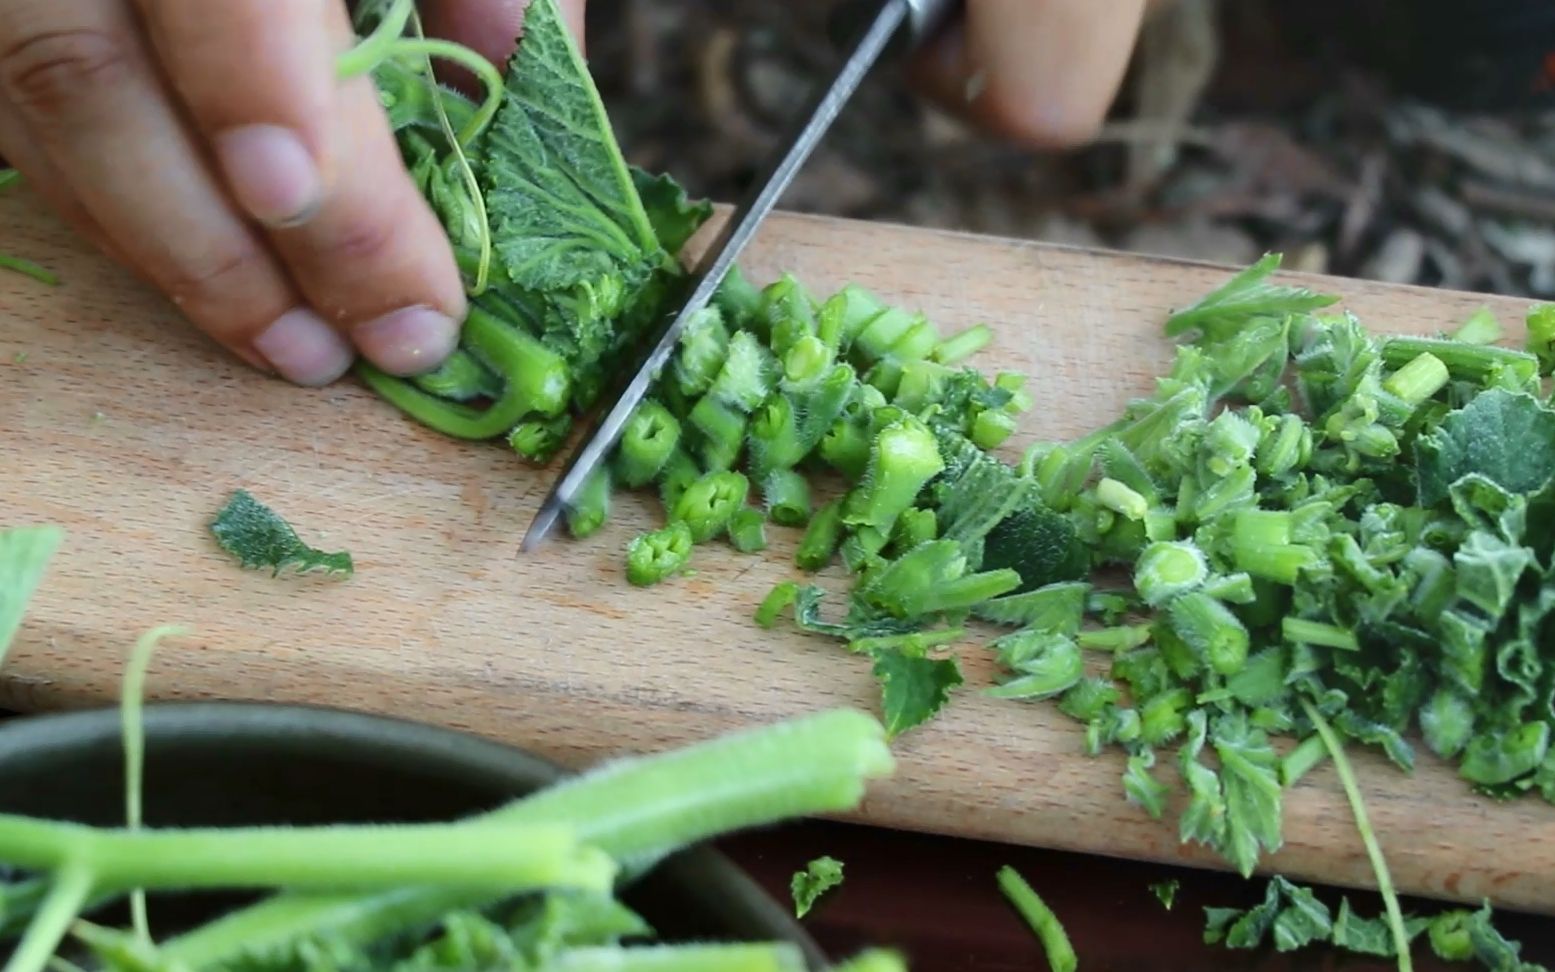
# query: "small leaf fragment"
260,538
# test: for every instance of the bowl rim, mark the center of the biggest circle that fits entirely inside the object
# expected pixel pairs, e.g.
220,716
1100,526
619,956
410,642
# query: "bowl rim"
391,740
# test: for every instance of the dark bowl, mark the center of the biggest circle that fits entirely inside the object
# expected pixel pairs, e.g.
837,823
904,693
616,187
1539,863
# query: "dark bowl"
234,763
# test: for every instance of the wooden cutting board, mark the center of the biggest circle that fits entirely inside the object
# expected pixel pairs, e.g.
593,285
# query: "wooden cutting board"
123,425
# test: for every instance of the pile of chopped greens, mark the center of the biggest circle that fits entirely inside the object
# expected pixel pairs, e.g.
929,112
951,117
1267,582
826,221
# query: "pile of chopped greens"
1303,514
530,886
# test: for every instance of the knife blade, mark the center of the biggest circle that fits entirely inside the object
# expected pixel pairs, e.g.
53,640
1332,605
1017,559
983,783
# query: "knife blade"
880,31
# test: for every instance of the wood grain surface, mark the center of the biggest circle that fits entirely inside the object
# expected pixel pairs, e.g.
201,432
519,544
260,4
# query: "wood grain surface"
122,424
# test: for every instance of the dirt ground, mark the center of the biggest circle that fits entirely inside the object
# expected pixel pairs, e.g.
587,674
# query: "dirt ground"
1363,139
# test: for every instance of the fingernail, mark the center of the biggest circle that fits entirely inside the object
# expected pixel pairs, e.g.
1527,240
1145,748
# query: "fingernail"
271,172
304,349
408,341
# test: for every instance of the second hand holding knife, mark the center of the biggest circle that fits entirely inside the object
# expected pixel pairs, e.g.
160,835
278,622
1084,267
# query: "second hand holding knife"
885,25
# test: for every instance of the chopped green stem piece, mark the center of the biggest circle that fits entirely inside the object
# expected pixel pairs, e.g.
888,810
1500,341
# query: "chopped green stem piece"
1304,632
1211,630
1379,864
787,495
905,456
990,428
1481,328
647,442
703,347
9,177
777,600
1044,924
1418,380
1541,336
1261,543
747,375
679,472
807,360
1166,570
1116,639
539,439
1119,498
1307,754
845,448
748,530
963,345
913,527
27,268
591,506
821,537
774,438
651,557
722,427
914,643
707,504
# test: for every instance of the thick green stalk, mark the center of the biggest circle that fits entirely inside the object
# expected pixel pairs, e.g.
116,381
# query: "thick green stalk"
68,893
534,379
681,958
491,855
635,810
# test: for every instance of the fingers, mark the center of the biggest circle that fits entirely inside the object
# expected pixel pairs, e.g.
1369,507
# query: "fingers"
1044,72
83,91
313,161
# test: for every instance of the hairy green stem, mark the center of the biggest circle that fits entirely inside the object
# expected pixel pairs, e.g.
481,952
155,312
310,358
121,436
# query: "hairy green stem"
485,854
636,810
1379,865
67,895
131,697
28,269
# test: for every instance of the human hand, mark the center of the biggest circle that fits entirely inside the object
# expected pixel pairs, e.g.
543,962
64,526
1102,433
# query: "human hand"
210,148
1043,72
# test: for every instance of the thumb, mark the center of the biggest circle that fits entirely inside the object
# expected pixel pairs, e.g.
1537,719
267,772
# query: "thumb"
491,28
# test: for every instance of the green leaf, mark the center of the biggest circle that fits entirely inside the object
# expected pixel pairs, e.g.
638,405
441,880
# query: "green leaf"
1364,936
1507,437
818,877
913,688
1166,892
1045,664
1246,295
1499,757
258,537
675,217
1250,774
1302,920
1141,788
568,227
25,553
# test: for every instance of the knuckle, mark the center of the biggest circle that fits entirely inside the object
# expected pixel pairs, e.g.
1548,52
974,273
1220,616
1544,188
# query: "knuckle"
54,74
362,238
210,277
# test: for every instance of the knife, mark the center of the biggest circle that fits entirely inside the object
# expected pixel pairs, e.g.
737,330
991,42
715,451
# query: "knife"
881,26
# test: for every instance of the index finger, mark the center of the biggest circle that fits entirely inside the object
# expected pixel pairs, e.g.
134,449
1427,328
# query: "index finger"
313,160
